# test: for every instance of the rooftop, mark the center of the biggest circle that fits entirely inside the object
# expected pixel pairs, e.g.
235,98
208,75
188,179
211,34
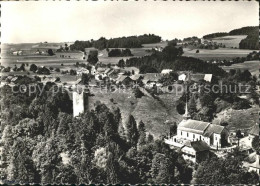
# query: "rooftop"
255,130
198,146
193,126
200,127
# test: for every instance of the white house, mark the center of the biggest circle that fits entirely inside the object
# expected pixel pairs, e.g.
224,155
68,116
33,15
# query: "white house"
182,77
166,71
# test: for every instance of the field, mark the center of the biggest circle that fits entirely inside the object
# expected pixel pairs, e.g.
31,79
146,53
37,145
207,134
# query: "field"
238,119
220,54
230,41
252,66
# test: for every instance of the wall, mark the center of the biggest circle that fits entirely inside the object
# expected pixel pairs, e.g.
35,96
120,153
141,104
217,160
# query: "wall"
80,103
192,136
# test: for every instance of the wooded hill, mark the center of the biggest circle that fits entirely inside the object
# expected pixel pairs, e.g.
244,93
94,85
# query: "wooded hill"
250,42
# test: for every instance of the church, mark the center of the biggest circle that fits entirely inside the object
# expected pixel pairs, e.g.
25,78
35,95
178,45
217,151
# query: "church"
215,136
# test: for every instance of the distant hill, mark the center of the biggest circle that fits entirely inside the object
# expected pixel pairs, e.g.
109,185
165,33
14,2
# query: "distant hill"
250,42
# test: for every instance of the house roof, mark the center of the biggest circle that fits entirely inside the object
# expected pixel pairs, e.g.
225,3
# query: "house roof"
107,70
256,163
255,130
193,126
198,146
152,77
166,71
122,78
208,77
101,69
136,77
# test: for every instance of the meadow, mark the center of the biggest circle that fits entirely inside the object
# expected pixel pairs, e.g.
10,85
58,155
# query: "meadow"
238,119
217,54
229,41
252,66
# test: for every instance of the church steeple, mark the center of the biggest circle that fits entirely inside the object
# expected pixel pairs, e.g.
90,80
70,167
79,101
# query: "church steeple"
186,115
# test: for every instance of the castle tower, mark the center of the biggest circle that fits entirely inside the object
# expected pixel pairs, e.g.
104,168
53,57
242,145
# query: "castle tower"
80,102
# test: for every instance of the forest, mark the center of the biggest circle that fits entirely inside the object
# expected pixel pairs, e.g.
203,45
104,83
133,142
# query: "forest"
171,58
43,143
39,130
120,42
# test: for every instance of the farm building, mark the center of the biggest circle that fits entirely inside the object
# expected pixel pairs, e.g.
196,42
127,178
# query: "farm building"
166,71
151,79
125,80
195,77
195,151
71,55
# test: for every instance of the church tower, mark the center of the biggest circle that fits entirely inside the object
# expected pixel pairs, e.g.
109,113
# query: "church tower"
186,115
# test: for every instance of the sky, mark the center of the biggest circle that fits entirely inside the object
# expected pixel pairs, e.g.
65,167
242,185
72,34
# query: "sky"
67,21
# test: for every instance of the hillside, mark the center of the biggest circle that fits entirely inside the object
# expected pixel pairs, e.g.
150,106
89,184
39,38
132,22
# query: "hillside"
250,42
157,115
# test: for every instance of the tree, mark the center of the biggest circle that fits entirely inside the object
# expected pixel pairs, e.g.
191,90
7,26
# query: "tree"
173,129
50,52
33,67
142,133
131,131
138,93
121,63
256,144
93,57
219,171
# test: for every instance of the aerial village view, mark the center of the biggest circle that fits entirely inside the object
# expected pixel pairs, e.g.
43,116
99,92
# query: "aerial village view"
139,93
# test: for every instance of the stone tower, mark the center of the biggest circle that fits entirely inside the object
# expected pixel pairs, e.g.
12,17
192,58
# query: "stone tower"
80,102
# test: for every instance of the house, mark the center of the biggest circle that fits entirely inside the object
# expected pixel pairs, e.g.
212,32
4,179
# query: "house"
255,166
195,151
195,77
17,52
101,70
254,132
151,79
82,71
93,70
136,77
71,55
182,77
125,80
166,71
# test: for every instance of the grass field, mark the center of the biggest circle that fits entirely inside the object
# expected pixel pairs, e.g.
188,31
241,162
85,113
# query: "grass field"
230,41
154,113
221,54
252,66
238,119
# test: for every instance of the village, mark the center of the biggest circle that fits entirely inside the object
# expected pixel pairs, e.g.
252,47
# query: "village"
135,92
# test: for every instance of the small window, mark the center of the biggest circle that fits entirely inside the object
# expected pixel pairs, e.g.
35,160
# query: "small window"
187,134
193,136
181,133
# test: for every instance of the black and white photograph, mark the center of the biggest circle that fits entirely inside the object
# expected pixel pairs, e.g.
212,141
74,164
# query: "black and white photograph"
129,92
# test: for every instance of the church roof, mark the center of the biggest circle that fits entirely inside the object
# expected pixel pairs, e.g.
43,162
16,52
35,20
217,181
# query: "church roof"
215,129
200,127
255,130
194,126
198,146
